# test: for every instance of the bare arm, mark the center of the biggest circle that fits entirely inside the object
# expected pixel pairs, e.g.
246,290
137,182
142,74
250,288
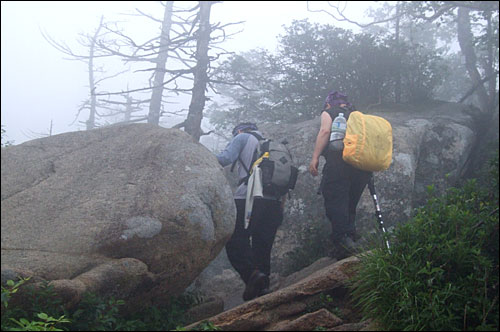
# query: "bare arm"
321,142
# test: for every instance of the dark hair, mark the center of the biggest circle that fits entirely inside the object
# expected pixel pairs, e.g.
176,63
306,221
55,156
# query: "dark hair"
244,126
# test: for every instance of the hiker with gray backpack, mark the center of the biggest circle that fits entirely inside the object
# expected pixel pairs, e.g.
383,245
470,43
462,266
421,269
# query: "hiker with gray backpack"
265,174
354,145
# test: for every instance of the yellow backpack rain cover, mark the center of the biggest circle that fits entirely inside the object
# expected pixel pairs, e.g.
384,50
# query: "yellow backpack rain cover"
368,142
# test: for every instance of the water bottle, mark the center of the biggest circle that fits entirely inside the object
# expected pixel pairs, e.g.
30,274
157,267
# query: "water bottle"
337,133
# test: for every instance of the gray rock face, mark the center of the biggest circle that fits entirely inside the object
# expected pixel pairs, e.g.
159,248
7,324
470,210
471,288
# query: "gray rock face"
429,147
118,209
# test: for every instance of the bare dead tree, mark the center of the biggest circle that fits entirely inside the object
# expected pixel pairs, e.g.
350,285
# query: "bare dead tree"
125,109
337,13
161,60
202,78
34,135
195,115
185,39
89,42
173,39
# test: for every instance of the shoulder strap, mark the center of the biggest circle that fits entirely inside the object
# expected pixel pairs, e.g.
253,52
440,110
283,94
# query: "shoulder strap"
256,135
259,138
334,111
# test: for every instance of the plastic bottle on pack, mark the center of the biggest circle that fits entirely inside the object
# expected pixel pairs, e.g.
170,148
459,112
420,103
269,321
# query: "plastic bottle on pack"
337,133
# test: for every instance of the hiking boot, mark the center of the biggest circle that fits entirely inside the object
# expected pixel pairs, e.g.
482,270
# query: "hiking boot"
264,291
340,252
348,243
265,288
257,282
354,236
343,247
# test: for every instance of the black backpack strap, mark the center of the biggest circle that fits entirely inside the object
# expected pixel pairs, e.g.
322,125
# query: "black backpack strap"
245,179
256,135
334,111
242,164
234,164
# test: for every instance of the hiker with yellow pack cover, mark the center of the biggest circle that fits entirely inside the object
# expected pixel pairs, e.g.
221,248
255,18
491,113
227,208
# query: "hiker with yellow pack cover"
353,148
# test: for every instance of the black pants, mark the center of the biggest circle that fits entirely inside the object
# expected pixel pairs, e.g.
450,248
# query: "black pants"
342,187
245,254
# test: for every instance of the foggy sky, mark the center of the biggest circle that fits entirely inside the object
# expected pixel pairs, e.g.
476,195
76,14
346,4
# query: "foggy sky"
38,86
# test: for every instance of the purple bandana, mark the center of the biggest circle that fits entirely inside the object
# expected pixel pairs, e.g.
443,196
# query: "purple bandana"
336,98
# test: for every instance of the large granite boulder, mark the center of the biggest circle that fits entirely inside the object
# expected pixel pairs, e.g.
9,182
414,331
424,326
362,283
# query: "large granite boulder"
136,211
430,146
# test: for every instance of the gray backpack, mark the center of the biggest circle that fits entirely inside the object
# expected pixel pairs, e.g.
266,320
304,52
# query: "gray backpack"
279,174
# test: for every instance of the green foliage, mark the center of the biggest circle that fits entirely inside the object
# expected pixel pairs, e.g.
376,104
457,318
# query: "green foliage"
250,96
47,324
93,313
492,175
10,323
43,299
313,59
167,317
325,302
319,58
320,328
206,326
442,271
12,288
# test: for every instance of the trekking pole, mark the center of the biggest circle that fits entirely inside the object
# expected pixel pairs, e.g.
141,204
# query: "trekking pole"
371,187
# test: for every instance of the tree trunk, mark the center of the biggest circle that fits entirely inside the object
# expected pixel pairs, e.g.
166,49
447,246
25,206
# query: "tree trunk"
489,67
397,91
484,123
465,40
195,114
161,60
93,98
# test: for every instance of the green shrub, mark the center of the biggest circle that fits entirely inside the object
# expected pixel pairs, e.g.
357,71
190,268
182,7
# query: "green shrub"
167,317
93,313
325,301
203,326
40,320
47,323
442,270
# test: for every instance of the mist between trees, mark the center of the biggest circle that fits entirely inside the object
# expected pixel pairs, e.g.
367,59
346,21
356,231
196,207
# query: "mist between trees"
408,52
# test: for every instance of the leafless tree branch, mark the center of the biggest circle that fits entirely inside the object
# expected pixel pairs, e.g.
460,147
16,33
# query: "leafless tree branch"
342,18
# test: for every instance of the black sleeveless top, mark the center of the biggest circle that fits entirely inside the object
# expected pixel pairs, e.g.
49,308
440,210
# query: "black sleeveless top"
334,111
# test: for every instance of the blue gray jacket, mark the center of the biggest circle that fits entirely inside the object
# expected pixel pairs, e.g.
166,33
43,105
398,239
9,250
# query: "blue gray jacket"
244,146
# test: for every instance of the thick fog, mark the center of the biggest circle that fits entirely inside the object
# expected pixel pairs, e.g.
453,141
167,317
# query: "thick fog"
42,90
